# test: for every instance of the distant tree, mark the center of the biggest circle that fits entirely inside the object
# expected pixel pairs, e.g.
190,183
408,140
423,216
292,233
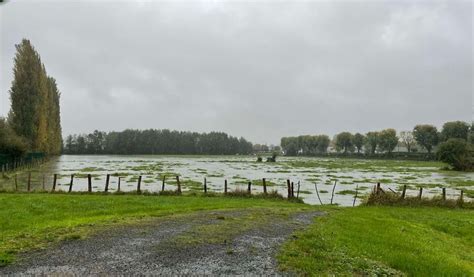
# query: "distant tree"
289,145
276,149
426,136
359,141
388,140
455,129
260,148
458,153
344,141
407,139
323,143
372,141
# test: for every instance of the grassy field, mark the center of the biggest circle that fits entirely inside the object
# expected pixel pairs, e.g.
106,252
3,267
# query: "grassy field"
383,240
347,241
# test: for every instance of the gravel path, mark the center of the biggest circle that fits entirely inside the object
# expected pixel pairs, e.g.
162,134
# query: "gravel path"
153,248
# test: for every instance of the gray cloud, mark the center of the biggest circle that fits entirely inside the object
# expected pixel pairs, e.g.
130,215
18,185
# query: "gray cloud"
261,70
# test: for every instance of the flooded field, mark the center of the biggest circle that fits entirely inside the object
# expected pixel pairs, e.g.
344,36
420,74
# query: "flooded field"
239,170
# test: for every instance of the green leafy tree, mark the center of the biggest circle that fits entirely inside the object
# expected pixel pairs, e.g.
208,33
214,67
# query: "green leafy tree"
323,143
426,136
388,140
458,153
372,141
455,129
289,145
344,142
359,141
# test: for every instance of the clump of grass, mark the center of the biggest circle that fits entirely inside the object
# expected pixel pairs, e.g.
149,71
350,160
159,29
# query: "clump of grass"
169,192
346,192
395,199
273,194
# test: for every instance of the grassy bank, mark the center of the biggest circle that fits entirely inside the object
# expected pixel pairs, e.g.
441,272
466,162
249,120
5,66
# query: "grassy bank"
383,240
36,220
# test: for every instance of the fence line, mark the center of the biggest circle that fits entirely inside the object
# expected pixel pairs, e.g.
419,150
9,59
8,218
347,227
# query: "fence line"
290,187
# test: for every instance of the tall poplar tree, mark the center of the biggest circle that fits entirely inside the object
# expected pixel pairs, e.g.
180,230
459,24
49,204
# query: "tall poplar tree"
34,113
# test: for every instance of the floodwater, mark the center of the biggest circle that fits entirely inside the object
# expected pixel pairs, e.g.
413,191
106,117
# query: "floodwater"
239,170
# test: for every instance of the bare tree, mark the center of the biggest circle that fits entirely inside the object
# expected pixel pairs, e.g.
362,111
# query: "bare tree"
407,139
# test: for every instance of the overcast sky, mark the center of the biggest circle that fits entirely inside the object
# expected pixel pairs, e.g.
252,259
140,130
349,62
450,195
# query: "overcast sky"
261,70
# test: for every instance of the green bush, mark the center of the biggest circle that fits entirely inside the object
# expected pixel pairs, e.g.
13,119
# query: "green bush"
10,143
458,153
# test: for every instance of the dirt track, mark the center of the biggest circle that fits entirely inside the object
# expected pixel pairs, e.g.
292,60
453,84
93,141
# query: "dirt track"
171,246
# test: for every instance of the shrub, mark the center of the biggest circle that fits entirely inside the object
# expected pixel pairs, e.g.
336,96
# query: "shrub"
10,143
457,153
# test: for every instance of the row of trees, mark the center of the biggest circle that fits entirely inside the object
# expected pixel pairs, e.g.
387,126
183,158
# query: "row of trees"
154,141
308,145
33,122
385,141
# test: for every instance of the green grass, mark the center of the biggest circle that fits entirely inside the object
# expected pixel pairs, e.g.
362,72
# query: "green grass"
347,241
419,241
36,220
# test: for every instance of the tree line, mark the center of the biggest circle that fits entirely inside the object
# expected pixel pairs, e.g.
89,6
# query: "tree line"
33,123
423,137
154,141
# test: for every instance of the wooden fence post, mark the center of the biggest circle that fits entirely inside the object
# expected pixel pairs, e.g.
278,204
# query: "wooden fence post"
298,191
107,179
249,188
16,183
205,185
444,193
178,183
355,196
264,183
163,183
292,189
317,192
420,193
44,181
461,197
29,181
289,188
89,183
333,188
55,178
378,189
225,186
139,184
118,186
72,181
404,191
